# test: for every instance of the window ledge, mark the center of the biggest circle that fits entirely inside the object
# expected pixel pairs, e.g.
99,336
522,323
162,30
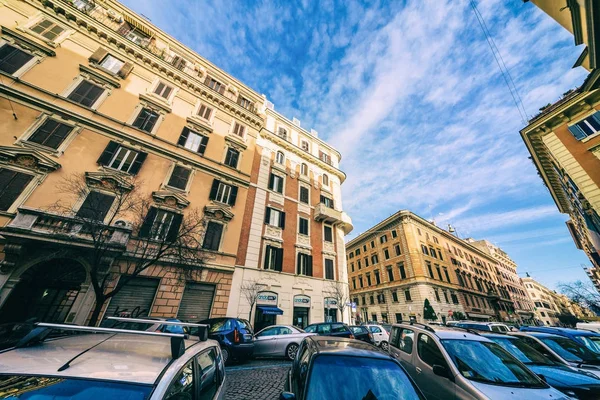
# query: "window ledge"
236,140
155,101
202,123
95,74
40,147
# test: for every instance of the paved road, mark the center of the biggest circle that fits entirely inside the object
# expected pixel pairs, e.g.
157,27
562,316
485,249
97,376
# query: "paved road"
256,380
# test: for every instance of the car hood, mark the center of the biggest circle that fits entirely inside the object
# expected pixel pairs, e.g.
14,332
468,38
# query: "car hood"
506,392
563,377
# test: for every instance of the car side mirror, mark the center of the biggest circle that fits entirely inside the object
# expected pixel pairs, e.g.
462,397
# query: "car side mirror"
287,396
442,371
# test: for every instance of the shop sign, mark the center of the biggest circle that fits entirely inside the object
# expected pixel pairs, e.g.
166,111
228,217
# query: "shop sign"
267,299
330,302
301,300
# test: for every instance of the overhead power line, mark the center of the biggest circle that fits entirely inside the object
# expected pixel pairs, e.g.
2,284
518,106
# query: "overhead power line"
512,88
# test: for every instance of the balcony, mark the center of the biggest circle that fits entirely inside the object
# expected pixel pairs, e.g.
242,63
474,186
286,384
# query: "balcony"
332,216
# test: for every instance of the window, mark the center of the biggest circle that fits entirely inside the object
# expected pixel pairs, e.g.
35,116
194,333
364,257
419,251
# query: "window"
275,217
446,273
354,283
352,266
111,64
398,317
383,239
161,225
205,112
324,157
304,195
397,249
282,133
360,280
439,273
390,274
223,193
368,279
395,296
86,94
358,264
280,158
232,157
193,141
96,206
215,85
454,298
587,127
305,145
12,184
386,254
303,226
276,183
440,254
50,134
374,259
325,180
244,102
146,120
179,177
372,301
366,261
407,295
304,264
365,248
328,233
394,234
437,295
402,270
212,237
137,37
328,269
432,252
273,258
358,251
163,90
374,317
47,29
424,249
183,385
13,58
377,278
326,201
238,129
304,169
429,352
208,374
122,158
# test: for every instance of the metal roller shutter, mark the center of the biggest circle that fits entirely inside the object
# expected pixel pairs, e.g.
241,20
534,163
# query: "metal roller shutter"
196,302
135,299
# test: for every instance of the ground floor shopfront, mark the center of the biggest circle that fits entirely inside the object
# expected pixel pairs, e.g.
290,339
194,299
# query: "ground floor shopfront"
284,299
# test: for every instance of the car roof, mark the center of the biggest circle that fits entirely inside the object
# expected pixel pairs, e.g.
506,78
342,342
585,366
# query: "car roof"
558,330
446,332
346,347
495,335
124,357
536,334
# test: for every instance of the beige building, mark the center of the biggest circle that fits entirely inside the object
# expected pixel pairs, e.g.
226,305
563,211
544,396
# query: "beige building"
506,271
398,263
90,89
546,309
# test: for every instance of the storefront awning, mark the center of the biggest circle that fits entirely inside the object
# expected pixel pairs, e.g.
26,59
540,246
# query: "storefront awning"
270,310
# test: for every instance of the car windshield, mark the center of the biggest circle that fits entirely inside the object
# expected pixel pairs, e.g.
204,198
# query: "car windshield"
489,363
591,342
243,324
357,378
523,352
571,350
50,388
358,329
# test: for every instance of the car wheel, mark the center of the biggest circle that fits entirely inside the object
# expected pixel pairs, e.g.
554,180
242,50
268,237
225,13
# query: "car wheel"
384,346
225,354
291,351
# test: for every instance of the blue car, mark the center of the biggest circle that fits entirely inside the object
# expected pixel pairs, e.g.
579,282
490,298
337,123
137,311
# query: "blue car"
235,336
572,382
589,339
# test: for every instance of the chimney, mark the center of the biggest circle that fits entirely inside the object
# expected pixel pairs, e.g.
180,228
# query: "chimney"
296,121
314,133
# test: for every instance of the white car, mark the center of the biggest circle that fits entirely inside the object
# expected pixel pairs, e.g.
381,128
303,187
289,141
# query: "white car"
380,335
112,364
279,341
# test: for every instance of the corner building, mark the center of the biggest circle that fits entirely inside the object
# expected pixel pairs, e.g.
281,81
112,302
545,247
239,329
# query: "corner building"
398,263
94,90
292,241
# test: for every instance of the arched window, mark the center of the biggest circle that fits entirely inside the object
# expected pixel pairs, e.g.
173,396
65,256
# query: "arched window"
304,169
325,180
280,158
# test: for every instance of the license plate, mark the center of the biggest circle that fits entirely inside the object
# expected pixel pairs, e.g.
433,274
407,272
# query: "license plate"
247,336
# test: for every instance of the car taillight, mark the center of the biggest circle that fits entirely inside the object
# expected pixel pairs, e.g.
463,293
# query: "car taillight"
370,336
351,336
236,336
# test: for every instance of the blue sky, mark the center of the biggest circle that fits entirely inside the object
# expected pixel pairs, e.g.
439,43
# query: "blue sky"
409,92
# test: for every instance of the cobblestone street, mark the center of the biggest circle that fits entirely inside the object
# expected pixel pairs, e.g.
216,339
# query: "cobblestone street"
256,380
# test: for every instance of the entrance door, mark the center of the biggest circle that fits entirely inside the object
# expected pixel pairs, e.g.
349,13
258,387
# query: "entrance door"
300,317
45,291
331,315
262,320
134,299
196,302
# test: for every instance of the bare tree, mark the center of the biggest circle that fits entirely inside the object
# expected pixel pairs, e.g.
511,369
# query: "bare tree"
582,293
338,291
250,290
127,231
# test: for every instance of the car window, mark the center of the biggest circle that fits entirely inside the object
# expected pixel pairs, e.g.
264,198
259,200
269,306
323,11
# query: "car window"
375,329
220,325
591,342
336,328
405,340
268,332
310,329
182,386
496,328
429,352
325,329
522,351
285,331
243,324
208,380
359,330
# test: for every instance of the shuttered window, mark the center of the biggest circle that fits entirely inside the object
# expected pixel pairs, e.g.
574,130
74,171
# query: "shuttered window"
179,177
223,193
161,225
326,201
304,195
273,258
134,299
329,269
86,94
146,120
212,237
122,158
303,226
275,217
96,206
304,264
196,302
163,90
276,183
232,157
47,29
215,85
586,127
50,134
328,233
193,141
111,64
12,58
205,112
238,129
12,184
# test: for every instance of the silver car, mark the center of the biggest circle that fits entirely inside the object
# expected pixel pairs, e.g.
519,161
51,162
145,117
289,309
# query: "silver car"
279,341
455,364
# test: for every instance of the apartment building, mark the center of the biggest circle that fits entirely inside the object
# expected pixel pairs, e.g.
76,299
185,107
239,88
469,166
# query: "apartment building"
506,271
92,90
403,260
292,240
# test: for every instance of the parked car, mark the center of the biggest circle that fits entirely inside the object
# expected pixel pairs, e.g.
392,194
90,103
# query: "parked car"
336,368
483,326
135,324
337,329
279,341
589,339
361,333
563,350
589,326
387,327
234,335
450,363
380,336
570,381
113,364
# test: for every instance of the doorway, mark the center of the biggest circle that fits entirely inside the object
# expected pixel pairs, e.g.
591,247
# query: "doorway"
300,317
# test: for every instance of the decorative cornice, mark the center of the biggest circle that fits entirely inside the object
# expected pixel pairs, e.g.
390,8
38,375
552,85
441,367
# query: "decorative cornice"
218,212
155,103
28,159
98,76
170,199
22,40
199,124
110,180
236,142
